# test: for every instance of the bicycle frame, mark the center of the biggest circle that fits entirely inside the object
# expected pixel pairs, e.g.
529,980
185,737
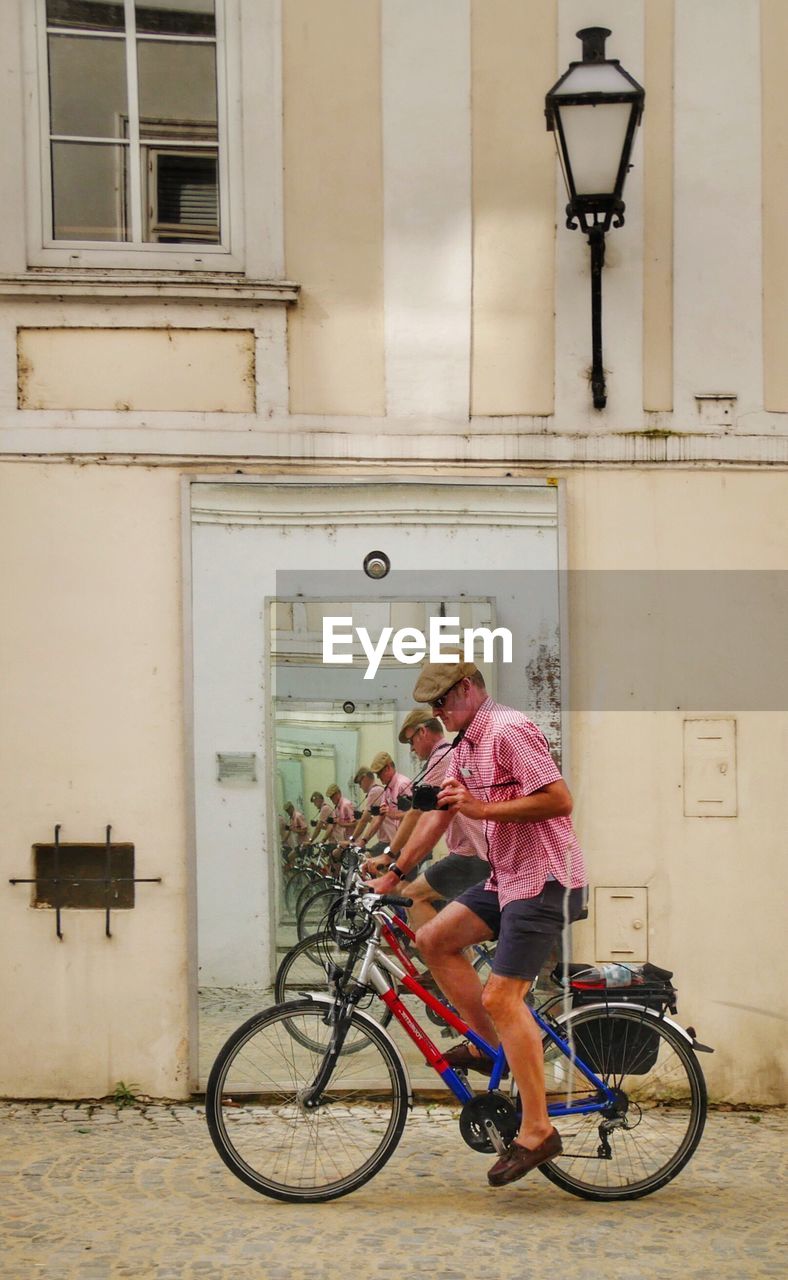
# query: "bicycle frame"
373,972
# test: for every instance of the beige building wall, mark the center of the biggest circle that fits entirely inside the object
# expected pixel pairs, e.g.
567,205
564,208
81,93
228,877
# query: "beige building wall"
774,45
658,209
92,732
716,886
513,354
333,198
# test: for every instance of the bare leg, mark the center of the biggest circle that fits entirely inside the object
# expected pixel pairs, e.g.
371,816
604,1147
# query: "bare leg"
423,896
504,1000
442,945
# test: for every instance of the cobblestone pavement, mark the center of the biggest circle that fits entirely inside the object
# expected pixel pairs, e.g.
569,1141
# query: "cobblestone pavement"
94,1192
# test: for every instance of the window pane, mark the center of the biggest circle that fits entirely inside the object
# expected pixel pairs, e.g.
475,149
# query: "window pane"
183,196
87,86
176,17
177,82
89,191
90,15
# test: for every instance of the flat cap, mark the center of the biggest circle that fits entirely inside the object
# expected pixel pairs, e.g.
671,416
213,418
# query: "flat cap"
364,772
333,790
380,761
412,721
438,677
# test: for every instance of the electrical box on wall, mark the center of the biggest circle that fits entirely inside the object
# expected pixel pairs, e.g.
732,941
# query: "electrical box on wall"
710,768
621,925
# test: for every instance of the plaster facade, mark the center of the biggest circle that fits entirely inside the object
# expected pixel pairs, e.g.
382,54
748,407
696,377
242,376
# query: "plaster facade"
399,296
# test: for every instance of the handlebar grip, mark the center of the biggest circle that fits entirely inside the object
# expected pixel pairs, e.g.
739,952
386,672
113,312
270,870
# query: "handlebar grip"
393,900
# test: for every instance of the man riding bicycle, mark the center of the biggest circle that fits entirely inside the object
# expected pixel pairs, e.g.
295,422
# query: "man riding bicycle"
500,772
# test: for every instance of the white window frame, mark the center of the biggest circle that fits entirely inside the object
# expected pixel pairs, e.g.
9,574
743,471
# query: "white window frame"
42,248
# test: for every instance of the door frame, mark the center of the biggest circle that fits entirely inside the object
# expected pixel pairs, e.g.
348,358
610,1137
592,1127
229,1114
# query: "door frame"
318,479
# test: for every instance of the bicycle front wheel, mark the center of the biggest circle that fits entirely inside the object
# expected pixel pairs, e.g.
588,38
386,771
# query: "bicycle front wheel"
647,1136
278,1139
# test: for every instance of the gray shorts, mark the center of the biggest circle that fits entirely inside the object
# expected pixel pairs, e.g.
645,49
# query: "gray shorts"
452,875
526,928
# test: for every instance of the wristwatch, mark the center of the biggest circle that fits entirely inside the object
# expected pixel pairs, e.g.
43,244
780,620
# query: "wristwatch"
397,871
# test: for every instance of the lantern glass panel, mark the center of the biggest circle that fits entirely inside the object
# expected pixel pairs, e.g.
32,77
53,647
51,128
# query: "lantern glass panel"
593,77
595,139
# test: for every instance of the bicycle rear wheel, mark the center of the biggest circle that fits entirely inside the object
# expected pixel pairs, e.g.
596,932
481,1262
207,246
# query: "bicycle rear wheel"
258,1104
648,1136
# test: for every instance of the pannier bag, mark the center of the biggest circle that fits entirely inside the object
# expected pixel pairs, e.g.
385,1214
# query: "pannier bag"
624,1048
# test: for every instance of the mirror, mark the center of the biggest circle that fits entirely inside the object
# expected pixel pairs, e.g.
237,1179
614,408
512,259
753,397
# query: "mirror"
328,720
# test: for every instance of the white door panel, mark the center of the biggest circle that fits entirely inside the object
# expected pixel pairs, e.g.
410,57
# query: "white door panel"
495,544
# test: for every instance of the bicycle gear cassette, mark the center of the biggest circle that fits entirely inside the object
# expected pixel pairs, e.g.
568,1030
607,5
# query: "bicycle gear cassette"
492,1107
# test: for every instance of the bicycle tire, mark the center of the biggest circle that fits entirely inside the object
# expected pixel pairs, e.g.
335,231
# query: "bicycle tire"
303,969
262,1128
315,911
659,1076
316,884
294,886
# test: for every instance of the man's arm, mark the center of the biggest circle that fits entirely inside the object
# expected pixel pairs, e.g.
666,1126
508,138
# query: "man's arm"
551,801
398,842
425,836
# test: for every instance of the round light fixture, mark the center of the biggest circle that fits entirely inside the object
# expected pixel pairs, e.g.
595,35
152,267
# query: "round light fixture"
348,707
376,564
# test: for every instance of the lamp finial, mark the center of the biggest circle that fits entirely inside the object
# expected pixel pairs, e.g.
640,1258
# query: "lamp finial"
593,39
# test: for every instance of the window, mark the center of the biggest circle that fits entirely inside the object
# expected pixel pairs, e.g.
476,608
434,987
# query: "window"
133,127
93,876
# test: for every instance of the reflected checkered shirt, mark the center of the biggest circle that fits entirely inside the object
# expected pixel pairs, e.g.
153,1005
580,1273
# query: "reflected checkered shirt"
464,836
344,818
398,786
502,756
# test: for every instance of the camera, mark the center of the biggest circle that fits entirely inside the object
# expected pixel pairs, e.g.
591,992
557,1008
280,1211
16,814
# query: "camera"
356,813
374,810
404,803
425,797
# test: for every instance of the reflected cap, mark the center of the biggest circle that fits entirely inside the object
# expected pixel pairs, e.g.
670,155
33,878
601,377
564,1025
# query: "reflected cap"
412,721
380,761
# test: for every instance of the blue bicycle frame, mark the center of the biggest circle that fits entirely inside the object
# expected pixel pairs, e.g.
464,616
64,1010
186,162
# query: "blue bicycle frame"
371,972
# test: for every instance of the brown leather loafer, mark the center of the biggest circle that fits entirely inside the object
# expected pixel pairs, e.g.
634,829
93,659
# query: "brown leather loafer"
462,1057
519,1161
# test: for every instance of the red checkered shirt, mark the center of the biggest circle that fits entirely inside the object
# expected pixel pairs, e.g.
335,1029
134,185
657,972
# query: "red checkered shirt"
463,835
502,756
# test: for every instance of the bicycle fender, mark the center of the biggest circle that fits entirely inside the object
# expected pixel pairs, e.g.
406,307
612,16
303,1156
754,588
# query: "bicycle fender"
642,1008
328,1000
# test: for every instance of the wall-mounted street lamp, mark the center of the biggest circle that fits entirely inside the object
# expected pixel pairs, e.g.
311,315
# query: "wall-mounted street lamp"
594,111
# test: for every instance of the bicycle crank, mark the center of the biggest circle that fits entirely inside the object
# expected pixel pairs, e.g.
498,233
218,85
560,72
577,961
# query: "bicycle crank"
489,1122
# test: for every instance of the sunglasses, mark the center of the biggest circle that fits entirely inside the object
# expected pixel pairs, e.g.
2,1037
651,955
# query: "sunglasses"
437,703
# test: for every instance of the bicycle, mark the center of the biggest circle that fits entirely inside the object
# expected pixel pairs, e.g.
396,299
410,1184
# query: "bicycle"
307,1100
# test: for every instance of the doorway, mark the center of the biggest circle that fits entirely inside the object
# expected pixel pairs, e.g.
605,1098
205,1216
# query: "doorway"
270,560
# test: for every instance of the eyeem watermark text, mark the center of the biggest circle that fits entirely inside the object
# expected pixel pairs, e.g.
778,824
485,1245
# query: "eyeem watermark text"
443,643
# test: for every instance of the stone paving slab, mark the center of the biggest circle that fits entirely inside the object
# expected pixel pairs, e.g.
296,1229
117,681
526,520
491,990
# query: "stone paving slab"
94,1192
